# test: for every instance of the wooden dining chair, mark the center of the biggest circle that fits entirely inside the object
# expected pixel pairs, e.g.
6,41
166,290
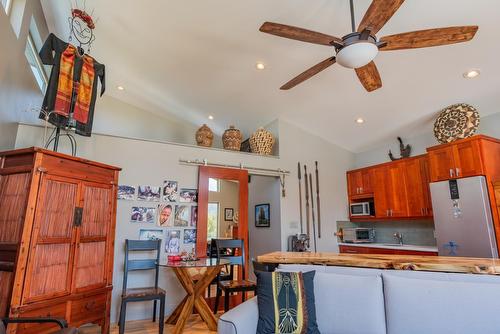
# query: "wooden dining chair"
154,293
233,246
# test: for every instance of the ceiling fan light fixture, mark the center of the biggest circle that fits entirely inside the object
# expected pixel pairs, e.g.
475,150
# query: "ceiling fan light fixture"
357,54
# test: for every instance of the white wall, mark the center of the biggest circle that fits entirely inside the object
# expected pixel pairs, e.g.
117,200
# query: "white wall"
261,240
489,125
18,88
115,117
150,163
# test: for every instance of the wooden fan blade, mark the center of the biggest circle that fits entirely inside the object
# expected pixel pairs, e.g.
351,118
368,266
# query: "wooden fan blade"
304,35
377,15
428,38
369,77
309,73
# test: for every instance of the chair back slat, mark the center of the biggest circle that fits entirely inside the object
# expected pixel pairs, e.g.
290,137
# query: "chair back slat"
141,264
141,245
233,260
233,245
144,264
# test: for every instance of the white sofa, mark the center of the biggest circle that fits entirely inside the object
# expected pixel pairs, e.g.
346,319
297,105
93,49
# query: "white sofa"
371,301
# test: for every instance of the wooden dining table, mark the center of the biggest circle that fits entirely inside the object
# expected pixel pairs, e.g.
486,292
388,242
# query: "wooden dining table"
195,286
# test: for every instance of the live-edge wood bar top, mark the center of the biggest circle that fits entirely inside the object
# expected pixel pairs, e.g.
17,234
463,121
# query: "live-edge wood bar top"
395,262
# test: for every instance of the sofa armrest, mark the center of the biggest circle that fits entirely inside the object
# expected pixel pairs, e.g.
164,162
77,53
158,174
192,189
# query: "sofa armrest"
240,320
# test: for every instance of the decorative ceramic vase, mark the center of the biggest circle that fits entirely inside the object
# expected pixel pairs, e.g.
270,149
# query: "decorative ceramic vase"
231,139
204,136
456,122
262,141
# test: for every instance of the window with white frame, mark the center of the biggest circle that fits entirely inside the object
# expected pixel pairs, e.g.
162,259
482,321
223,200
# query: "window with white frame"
36,65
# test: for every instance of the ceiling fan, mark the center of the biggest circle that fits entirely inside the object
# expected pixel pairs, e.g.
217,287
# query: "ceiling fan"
358,49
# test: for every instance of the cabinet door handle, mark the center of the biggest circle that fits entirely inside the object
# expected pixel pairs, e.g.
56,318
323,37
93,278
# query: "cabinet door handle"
351,251
422,211
390,212
457,171
387,213
361,190
451,172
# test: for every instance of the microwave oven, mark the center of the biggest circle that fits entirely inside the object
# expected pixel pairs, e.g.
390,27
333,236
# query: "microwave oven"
362,209
358,234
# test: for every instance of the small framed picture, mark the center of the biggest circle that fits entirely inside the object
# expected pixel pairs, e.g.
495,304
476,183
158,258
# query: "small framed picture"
188,195
228,214
150,234
148,193
262,215
126,192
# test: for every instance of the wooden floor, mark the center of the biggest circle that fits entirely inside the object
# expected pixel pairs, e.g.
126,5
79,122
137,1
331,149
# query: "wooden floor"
194,326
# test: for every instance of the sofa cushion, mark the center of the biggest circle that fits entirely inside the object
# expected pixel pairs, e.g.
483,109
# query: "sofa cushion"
447,304
286,302
348,300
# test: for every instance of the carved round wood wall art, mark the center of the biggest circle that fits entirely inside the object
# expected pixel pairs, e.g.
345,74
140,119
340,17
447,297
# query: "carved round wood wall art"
456,122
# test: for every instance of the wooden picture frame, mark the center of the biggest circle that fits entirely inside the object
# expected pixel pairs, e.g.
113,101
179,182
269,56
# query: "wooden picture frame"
263,215
228,214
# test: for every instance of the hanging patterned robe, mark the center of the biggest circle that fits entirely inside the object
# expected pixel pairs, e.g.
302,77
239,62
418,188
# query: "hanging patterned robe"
72,88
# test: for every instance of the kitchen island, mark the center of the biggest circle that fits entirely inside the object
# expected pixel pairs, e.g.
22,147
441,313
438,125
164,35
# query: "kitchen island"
394,262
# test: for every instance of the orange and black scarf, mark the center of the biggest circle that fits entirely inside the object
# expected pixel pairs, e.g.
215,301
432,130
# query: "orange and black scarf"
67,85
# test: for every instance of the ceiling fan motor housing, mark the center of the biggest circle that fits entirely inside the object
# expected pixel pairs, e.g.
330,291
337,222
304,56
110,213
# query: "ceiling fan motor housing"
359,49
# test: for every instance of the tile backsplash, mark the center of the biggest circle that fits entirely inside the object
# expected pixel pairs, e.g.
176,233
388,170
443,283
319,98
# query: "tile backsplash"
415,232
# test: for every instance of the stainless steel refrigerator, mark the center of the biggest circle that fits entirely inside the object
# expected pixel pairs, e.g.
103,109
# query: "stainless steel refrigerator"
462,218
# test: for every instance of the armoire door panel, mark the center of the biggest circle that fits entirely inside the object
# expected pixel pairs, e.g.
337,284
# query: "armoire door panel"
57,209
90,264
14,190
97,204
50,275
51,256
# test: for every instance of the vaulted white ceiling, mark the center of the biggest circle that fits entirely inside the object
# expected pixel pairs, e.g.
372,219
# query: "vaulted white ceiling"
195,58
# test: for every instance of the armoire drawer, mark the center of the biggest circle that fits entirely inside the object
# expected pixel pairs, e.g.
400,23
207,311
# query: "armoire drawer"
53,311
90,309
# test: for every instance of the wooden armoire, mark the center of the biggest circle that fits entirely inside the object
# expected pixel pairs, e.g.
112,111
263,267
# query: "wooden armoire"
57,227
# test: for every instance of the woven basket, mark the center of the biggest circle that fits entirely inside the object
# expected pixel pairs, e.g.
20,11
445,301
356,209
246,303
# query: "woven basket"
231,139
204,136
262,142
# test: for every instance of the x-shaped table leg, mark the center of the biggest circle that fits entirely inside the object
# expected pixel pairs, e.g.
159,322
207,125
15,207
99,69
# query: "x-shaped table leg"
194,299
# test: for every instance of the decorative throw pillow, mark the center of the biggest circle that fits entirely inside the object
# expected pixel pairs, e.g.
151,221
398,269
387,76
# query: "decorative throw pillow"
286,303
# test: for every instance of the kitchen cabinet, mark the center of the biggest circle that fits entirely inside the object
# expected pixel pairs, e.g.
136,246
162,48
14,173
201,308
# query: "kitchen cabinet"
375,250
458,159
417,187
390,195
360,182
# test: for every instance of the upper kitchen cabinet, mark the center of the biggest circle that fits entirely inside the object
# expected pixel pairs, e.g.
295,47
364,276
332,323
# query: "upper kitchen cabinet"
416,176
462,158
360,182
390,193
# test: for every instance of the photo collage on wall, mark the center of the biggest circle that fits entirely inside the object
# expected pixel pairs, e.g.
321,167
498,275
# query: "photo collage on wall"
175,213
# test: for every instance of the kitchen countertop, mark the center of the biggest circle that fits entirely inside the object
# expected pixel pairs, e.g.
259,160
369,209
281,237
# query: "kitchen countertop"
392,246
395,262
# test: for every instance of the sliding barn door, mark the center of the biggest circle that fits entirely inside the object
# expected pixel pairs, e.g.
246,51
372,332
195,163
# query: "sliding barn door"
91,244
51,252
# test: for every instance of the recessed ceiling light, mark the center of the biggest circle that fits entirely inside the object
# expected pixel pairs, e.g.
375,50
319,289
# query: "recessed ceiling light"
360,120
471,74
210,117
260,66
120,88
